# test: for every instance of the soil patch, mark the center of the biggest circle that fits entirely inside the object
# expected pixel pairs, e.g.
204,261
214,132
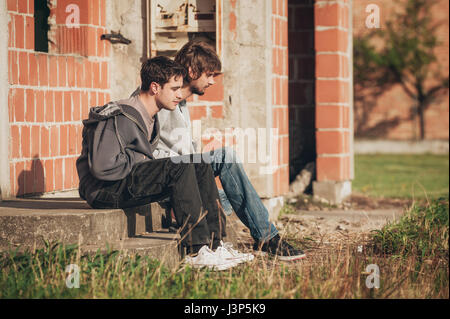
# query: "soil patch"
318,227
354,202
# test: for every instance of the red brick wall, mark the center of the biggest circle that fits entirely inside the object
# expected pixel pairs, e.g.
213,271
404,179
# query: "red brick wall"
389,116
209,108
302,61
333,88
210,105
280,92
50,93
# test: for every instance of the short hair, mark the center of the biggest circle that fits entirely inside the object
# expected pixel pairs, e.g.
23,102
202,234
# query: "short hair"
200,57
160,70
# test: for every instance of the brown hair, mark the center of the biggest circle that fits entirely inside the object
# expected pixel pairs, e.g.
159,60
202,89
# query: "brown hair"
200,57
160,70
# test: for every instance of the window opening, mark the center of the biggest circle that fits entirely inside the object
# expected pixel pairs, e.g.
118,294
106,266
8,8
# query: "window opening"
41,26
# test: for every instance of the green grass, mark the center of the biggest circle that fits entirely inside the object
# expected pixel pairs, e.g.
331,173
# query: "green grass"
412,256
419,239
422,231
402,176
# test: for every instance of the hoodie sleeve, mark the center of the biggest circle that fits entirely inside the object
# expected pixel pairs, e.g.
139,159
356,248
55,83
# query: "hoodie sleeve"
109,158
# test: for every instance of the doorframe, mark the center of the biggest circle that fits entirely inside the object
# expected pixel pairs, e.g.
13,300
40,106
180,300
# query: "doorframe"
5,187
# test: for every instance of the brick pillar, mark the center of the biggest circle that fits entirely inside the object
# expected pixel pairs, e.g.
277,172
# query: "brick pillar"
280,92
334,131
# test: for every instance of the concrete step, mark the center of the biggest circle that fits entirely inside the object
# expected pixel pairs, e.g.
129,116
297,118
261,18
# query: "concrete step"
28,222
160,245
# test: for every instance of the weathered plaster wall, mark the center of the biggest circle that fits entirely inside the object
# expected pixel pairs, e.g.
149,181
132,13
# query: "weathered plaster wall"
247,65
126,17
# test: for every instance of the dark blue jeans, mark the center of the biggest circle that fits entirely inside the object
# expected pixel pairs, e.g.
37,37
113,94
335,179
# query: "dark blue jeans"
192,191
241,194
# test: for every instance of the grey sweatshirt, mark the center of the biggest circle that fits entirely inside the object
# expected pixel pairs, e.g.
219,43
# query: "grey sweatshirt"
176,139
115,138
175,134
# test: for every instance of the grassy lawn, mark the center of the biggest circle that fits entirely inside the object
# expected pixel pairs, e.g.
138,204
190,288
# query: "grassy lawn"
402,176
412,255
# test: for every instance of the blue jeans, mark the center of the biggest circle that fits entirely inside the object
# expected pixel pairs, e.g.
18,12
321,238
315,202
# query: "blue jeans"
241,194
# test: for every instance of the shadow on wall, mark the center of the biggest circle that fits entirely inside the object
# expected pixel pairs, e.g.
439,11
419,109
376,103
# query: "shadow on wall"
369,86
32,182
403,53
365,101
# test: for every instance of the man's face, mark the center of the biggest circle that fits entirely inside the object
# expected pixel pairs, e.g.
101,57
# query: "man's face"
170,94
202,83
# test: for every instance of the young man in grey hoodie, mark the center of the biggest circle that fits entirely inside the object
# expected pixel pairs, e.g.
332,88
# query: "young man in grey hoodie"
117,168
203,64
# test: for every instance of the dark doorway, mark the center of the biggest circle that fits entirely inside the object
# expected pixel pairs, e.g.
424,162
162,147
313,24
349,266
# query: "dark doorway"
302,141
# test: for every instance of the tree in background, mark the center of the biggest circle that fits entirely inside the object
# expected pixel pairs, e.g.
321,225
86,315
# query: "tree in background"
407,57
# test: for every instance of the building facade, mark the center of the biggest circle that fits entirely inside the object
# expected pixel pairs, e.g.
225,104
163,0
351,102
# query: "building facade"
284,99
388,115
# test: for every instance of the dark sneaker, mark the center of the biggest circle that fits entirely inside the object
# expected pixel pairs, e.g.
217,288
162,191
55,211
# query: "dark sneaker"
280,248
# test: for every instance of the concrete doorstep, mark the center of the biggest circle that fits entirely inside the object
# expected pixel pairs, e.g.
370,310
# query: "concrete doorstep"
440,147
26,223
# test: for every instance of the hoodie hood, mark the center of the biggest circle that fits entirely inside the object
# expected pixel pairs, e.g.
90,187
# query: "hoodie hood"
102,113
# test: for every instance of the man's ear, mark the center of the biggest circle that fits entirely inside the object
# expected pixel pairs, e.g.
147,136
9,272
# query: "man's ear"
192,74
154,88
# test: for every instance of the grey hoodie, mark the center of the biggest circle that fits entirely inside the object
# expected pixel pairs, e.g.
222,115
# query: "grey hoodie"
175,135
115,139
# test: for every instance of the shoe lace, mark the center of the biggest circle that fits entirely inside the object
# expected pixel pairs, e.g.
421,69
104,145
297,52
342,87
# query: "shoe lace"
229,248
205,251
235,253
285,246
208,255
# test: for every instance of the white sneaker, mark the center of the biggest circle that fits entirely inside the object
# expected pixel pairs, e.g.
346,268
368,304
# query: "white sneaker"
226,251
207,258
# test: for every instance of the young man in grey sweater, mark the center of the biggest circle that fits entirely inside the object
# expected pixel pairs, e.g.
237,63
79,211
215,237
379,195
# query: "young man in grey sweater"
203,64
117,168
